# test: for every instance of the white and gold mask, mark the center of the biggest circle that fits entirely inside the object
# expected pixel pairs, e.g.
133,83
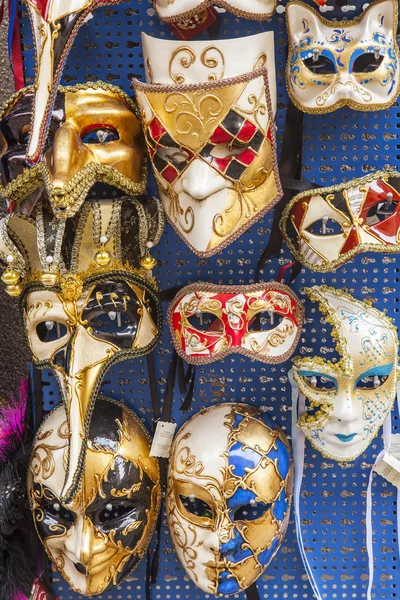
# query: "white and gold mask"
228,500
181,11
174,62
352,397
343,63
82,319
100,535
326,227
212,146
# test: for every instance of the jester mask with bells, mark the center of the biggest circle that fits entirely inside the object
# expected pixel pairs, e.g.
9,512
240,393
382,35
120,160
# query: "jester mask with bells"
338,63
175,62
55,24
328,226
180,11
100,535
349,399
228,500
208,322
94,136
212,146
83,316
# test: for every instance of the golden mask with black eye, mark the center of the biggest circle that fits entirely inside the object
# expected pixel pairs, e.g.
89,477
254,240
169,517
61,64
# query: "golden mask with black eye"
94,136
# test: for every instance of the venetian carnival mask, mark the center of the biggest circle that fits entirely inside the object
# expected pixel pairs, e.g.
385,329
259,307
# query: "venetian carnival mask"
213,150
174,62
100,535
338,63
228,500
350,398
94,136
208,322
182,11
326,227
82,319
55,25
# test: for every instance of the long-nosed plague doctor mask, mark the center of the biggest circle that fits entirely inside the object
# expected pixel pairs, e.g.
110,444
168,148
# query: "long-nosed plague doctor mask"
85,315
55,25
94,135
326,227
228,500
212,147
349,399
102,532
343,63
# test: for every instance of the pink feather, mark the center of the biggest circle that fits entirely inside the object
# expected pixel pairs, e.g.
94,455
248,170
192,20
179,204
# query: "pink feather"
12,421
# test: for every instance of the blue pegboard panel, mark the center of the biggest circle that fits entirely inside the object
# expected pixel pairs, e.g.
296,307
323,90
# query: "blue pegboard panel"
336,147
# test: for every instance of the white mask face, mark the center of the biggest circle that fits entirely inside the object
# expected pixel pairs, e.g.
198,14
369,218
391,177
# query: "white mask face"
350,398
174,62
181,10
228,500
213,152
337,63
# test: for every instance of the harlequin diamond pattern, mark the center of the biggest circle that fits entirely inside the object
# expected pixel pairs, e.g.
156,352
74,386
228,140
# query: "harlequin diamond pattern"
236,132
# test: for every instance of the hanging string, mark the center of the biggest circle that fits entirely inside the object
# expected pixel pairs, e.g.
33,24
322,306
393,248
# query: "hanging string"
14,45
298,441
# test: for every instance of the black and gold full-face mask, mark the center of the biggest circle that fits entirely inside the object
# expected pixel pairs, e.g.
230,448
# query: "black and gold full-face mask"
100,535
94,136
85,315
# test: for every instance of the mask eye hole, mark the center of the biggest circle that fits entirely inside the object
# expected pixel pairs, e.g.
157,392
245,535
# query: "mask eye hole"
367,63
196,507
97,134
320,382
50,331
204,321
325,226
251,511
60,513
115,511
24,136
112,322
380,212
265,320
174,154
322,66
371,382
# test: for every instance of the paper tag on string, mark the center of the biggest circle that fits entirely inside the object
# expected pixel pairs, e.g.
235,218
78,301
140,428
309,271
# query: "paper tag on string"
389,465
38,592
162,440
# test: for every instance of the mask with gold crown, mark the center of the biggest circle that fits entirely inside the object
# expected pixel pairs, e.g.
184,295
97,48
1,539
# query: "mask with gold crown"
86,303
94,137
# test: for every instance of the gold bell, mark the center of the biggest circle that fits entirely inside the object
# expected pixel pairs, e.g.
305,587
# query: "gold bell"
103,258
49,279
10,276
147,261
14,290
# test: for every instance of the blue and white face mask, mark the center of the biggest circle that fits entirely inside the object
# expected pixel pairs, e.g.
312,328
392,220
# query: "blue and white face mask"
350,398
229,496
343,63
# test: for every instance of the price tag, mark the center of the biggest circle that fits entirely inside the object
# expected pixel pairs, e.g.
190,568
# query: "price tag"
38,592
389,465
162,440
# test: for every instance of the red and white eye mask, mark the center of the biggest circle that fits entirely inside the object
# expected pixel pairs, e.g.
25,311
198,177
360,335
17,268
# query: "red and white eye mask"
262,321
326,227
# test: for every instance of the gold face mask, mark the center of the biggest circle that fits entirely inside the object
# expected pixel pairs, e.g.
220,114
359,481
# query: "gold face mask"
82,319
94,136
103,532
212,147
